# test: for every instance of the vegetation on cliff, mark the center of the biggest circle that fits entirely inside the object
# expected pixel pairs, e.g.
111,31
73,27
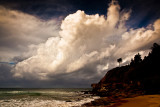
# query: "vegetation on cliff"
139,77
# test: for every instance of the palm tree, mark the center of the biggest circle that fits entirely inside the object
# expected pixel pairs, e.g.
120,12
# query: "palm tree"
119,61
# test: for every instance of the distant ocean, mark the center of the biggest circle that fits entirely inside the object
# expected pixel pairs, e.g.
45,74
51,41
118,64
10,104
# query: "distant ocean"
58,97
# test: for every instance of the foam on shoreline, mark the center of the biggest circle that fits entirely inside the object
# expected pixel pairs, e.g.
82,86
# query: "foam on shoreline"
24,102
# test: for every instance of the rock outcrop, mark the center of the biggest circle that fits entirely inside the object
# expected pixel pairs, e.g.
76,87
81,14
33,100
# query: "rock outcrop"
139,77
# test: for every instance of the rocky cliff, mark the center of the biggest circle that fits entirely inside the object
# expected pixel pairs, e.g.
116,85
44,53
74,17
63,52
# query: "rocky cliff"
139,77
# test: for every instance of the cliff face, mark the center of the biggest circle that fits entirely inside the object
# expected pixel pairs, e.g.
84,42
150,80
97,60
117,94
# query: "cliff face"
141,77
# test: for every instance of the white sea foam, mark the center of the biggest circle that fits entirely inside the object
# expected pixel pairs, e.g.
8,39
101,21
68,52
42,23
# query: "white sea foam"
24,102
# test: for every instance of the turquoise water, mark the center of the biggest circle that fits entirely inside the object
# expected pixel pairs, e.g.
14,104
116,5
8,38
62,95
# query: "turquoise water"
44,97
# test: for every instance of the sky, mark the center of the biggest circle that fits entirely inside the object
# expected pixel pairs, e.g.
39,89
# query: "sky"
72,43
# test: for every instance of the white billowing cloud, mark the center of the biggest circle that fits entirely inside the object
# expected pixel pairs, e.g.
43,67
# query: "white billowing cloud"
113,13
21,32
157,25
141,38
82,40
86,39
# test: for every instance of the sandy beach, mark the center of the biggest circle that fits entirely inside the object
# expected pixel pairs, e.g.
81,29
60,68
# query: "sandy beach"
142,101
138,101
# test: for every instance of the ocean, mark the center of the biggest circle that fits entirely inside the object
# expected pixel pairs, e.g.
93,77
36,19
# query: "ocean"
56,97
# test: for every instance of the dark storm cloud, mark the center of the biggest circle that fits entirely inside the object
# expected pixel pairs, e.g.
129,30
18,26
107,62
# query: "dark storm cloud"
6,78
42,8
143,11
81,78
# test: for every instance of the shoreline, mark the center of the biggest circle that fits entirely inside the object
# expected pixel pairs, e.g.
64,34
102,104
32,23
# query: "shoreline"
134,101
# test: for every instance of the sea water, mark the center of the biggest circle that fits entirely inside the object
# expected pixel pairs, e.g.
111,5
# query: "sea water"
65,97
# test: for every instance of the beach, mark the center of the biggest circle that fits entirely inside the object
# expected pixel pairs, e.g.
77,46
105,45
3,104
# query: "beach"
142,101
138,101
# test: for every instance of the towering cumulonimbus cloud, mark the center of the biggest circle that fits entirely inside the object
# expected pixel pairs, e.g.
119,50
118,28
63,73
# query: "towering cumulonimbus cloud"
88,39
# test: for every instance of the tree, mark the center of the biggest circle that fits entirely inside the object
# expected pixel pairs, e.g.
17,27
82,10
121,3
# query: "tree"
119,61
137,59
155,49
132,62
